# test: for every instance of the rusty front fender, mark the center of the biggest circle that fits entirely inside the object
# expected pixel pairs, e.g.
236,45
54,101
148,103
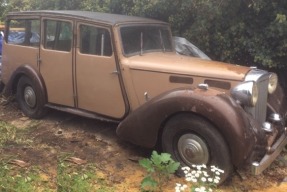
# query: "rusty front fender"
143,125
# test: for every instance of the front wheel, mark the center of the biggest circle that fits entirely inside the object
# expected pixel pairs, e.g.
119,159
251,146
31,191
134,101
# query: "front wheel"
30,98
191,140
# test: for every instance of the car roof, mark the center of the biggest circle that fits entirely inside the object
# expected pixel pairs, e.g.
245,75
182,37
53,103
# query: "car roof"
107,18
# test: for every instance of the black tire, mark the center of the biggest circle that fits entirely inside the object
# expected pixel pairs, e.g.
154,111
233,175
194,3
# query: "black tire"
30,98
191,140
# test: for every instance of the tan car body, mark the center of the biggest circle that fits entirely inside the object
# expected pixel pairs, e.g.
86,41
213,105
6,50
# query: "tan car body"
142,91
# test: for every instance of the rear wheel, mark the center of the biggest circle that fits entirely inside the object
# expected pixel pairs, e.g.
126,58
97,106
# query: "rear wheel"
30,98
192,140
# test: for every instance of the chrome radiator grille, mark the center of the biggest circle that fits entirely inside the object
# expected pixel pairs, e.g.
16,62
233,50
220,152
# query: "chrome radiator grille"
259,110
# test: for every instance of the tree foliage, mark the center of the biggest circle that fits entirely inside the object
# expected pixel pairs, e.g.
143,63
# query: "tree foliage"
248,32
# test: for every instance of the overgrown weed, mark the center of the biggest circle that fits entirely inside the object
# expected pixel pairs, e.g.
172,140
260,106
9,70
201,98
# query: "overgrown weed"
159,168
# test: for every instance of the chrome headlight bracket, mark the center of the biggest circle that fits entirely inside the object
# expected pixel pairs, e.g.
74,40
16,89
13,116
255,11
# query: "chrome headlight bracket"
246,93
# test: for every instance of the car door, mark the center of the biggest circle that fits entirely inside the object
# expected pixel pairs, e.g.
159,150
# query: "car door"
22,46
97,79
56,66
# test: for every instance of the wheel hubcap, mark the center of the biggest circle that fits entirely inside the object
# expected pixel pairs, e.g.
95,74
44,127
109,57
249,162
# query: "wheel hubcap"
193,150
30,96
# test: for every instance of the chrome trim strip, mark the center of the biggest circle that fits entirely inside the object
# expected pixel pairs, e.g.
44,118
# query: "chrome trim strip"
257,168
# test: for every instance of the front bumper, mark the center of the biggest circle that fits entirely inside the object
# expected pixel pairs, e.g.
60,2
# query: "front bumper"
259,167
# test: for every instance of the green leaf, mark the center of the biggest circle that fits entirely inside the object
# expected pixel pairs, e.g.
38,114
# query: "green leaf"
172,167
147,164
156,159
148,183
165,158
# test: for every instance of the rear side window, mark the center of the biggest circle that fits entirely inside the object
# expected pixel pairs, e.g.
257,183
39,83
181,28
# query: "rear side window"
24,32
58,35
95,41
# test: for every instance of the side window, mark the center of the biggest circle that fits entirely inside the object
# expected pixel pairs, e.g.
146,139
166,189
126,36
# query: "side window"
95,41
24,32
58,35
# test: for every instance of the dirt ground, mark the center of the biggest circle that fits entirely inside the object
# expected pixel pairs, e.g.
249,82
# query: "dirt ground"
97,142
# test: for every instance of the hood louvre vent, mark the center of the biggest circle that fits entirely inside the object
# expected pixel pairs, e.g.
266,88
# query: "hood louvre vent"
218,84
178,79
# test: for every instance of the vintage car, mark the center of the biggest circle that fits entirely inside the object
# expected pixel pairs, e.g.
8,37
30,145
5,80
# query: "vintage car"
125,69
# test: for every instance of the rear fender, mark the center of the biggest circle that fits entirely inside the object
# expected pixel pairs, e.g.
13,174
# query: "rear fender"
142,126
27,70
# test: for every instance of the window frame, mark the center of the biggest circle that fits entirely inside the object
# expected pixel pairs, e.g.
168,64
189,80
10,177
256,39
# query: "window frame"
106,30
28,28
56,45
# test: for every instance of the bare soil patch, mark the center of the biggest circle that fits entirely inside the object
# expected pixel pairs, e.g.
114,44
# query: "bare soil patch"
96,142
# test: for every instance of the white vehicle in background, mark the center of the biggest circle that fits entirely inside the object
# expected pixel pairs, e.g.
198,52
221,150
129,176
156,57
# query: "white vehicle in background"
184,47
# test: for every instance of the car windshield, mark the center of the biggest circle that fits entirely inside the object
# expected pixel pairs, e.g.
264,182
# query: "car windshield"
142,39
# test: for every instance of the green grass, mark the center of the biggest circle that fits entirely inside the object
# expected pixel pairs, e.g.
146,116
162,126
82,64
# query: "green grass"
74,177
17,179
70,177
10,134
7,132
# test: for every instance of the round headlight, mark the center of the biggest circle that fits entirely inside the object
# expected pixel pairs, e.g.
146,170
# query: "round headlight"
273,82
246,93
